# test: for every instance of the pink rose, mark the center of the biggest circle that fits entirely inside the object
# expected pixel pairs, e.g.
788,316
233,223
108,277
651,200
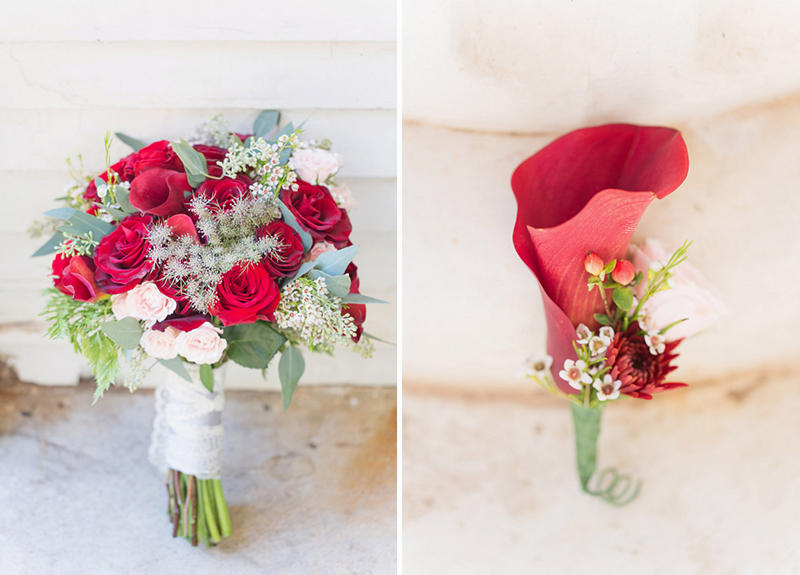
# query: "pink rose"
317,250
202,344
160,344
147,302
314,164
344,197
691,298
119,305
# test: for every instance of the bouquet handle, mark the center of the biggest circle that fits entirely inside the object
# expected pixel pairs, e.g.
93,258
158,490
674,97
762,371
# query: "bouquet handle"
611,486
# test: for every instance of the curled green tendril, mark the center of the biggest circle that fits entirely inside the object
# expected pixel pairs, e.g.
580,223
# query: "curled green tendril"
615,488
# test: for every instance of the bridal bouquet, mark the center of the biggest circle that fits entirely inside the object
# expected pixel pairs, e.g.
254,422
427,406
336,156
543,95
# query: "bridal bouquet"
613,324
228,247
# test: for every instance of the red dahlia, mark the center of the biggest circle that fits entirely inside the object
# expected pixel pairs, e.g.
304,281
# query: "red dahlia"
640,372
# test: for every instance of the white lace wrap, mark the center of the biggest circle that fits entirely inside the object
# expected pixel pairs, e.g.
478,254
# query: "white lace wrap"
187,430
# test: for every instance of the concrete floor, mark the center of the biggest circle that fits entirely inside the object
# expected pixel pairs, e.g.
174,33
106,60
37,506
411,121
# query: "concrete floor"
312,491
490,487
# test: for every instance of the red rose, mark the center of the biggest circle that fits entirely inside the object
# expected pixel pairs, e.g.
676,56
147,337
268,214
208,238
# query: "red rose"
75,277
358,311
212,155
224,193
340,234
121,257
246,293
314,207
157,155
159,192
289,256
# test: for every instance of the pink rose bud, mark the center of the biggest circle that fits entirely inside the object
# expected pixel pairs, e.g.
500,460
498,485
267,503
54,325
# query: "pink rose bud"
593,264
623,272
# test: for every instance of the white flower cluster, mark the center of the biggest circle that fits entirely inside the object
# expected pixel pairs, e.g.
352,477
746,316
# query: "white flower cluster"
194,270
590,369
267,161
214,132
308,309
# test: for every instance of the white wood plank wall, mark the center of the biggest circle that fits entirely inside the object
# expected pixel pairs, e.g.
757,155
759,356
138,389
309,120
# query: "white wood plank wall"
156,70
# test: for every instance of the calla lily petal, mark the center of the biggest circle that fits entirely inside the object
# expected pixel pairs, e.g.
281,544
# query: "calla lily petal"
159,192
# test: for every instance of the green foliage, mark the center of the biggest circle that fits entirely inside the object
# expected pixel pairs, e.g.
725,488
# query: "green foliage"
80,323
126,333
135,144
266,120
253,345
290,370
207,376
193,161
623,297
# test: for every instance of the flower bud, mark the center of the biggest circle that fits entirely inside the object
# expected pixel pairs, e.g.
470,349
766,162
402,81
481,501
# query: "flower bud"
593,264
623,272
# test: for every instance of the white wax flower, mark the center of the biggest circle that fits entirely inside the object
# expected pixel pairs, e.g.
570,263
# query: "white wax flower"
575,373
608,388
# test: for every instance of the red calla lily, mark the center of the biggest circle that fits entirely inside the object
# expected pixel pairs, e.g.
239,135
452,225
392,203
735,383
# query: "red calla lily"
587,191
159,192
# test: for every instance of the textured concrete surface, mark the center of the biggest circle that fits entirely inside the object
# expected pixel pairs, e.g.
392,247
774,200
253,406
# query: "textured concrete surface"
311,491
490,484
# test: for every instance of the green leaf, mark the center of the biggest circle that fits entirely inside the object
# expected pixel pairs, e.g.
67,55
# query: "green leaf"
266,120
360,298
287,130
289,218
207,376
126,333
193,161
334,263
623,297
290,370
176,364
337,286
372,337
61,213
82,223
132,142
303,270
609,267
253,345
122,197
119,215
602,319
49,246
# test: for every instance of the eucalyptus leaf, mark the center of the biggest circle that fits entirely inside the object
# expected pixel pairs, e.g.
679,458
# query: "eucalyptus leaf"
359,298
176,365
135,144
253,345
126,333
119,215
337,286
60,213
290,370
266,120
86,223
285,131
49,246
303,270
193,161
334,263
123,199
207,376
289,218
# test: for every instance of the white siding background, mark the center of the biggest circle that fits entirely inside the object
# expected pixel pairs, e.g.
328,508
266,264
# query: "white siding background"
154,70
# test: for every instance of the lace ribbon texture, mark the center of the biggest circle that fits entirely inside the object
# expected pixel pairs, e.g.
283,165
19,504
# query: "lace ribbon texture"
187,430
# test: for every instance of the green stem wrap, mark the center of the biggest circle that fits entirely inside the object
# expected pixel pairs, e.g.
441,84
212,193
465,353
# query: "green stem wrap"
587,430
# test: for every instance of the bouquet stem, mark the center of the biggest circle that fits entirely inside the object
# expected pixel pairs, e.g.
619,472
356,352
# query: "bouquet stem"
611,486
197,508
